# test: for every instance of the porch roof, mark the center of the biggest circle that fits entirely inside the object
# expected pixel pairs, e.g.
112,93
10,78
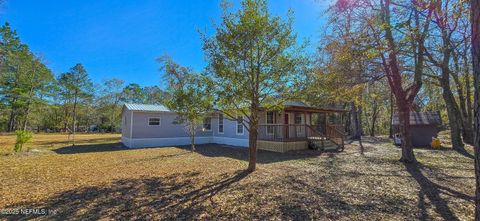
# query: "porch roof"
302,107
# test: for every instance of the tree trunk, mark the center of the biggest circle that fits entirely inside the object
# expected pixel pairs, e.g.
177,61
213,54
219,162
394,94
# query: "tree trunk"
404,119
453,113
65,117
390,130
192,136
252,138
11,120
355,122
475,20
374,118
13,116
74,117
29,104
252,145
468,88
360,123
25,121
467,129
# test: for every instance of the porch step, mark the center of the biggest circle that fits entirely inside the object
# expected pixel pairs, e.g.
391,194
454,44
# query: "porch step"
322,144
329,145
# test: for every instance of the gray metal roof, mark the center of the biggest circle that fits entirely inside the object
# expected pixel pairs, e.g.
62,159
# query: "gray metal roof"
420,118
295,103
146,107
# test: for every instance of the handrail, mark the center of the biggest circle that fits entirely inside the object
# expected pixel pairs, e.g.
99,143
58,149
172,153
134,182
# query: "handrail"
334,132
318,133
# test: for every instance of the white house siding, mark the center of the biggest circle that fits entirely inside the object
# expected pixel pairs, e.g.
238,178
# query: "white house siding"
170,134
126,122
166,129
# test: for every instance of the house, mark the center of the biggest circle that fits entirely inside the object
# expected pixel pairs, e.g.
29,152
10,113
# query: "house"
294,127
423,127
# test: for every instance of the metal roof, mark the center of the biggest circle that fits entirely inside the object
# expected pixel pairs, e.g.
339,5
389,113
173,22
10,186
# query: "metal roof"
420,118
146,107
295,103
301,106
289,104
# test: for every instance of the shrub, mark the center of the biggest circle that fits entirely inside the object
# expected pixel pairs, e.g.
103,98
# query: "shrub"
22,138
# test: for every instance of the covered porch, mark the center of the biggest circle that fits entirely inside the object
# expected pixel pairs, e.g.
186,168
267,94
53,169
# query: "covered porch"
298,127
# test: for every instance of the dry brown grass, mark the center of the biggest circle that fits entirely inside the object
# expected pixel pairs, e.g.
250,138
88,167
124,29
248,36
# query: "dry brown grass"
100,179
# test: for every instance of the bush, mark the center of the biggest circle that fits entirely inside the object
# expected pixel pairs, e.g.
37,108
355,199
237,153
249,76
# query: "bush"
22,138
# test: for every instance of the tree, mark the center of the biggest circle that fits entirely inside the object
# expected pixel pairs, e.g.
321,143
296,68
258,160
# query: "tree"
475,39
25,81
154,95
189,95
404,95
253,60
75,87
111,95
39,83
397,32
447,23
133,93
13,54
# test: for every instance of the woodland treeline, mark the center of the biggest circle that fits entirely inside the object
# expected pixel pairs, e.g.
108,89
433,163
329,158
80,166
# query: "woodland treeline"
375,54
33,98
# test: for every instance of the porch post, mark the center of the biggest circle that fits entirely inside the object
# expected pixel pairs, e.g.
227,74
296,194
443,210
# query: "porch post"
305,123
285,127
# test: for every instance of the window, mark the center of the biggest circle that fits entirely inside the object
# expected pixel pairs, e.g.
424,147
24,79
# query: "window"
270,119
298,121
154,121
220,123
298,118
207,124
239,125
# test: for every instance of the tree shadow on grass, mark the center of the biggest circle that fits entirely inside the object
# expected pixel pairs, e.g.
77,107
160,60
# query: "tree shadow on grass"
241,153
465,153
322,203
175,196
432,191
90,148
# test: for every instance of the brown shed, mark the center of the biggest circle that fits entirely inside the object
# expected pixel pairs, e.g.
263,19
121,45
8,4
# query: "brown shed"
423,126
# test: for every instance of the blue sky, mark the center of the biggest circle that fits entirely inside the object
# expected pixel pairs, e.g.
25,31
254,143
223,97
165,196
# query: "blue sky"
122,39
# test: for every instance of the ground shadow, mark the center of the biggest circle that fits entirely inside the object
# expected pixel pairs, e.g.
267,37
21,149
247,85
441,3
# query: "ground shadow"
90,148
176,196
323,204
82,141
241,153
432,191
465,153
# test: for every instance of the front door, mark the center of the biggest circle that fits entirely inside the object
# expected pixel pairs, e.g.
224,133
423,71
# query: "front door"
286,125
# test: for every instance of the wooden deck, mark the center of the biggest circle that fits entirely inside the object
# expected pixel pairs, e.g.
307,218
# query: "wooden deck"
287,137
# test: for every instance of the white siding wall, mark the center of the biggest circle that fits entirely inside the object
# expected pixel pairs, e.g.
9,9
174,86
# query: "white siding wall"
171,134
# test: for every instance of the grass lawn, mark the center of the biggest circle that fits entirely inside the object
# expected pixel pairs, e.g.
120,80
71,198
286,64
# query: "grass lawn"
100,179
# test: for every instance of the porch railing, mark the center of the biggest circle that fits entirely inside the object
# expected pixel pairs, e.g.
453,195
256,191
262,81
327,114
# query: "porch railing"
336,133
299,132
283,132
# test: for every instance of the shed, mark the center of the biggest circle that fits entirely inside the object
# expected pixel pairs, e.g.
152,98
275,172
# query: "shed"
423,126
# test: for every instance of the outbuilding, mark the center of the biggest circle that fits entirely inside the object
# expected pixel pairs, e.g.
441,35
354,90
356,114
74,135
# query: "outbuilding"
423,127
